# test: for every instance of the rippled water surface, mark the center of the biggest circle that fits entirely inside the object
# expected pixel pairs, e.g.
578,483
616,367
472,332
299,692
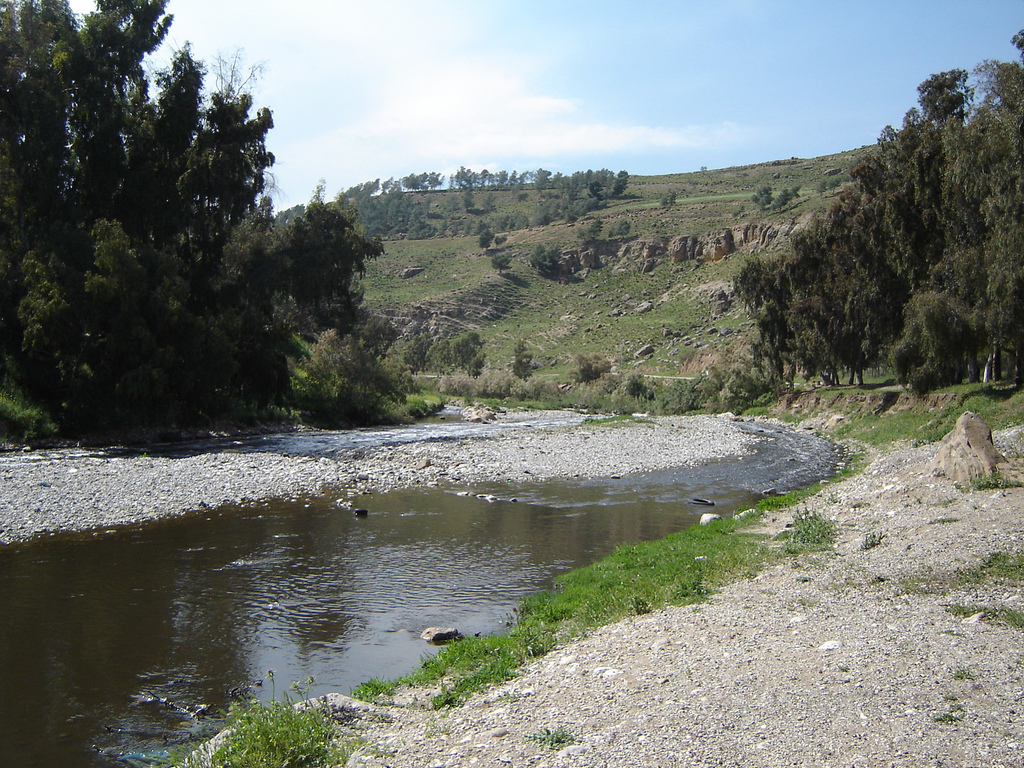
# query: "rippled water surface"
105,640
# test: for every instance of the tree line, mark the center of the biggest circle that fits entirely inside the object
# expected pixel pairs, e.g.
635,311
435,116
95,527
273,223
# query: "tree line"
387,210
142,276
920,261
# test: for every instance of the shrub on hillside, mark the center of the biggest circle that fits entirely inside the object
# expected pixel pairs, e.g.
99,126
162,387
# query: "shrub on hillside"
589,368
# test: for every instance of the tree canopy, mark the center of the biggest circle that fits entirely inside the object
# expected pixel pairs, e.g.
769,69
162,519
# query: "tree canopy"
920,262
142,278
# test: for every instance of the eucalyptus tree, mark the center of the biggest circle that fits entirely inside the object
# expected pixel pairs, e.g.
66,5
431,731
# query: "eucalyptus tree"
141,277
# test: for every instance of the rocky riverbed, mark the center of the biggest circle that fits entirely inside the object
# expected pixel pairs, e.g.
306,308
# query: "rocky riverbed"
874,654
72,489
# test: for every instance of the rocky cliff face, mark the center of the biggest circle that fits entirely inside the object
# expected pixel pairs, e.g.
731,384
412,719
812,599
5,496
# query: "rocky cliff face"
647,254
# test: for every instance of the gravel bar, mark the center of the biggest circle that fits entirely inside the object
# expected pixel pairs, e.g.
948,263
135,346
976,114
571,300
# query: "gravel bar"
75,490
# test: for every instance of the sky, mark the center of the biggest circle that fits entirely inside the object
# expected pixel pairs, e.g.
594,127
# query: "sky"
385,88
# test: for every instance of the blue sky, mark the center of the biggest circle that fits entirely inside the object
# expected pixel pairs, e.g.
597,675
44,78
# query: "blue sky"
381,88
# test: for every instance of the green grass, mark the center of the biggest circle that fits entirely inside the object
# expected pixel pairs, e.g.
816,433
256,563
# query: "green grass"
995,481
277,735
555,739
22,420
926,419
560,318
1007,617
954,715
810,532
1000,569
682,569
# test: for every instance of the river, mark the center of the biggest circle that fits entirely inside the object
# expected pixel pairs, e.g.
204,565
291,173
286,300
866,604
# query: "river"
117,644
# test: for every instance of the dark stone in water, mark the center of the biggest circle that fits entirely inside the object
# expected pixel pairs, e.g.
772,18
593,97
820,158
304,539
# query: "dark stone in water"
440,635
703,502
360,512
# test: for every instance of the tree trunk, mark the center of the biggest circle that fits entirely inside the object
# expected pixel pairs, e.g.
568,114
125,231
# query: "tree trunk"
972,369
994,365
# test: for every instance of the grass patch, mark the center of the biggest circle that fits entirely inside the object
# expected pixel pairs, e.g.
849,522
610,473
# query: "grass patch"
684,568
555,739
995,481
810,532
421,405
944,521
277,734
954,715
1007,617
1002,569
22,420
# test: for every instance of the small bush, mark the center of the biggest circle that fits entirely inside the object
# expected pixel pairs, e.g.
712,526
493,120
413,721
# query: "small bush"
341,383
555,739
20,419
275,735
872,540
995,481
638,387
812,531
590,368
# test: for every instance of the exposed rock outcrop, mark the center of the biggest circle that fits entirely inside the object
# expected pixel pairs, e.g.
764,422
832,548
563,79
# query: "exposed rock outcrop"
967,452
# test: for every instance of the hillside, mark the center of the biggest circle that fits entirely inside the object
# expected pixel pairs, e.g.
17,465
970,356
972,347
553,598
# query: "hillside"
658,301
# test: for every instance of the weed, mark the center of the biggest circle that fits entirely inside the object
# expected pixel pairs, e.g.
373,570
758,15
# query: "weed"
436,728
944,521
279,734
376,690
963,673
555,739
1005,616
954,715
640,606
995,481
872,540
811,531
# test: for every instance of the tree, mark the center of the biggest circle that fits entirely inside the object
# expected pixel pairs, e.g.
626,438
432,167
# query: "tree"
588,368
326,251
762,198
501,261
545,259
141,276
467,353
946,96
522,361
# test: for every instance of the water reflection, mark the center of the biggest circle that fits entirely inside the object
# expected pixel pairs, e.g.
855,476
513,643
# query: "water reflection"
104,640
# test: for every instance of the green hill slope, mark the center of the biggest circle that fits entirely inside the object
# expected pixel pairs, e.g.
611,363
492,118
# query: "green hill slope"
658,301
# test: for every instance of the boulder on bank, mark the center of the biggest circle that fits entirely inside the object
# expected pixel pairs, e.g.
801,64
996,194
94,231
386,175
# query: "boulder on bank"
479,414
968,451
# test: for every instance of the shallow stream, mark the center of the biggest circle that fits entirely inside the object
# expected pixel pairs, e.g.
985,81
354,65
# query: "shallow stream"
110,643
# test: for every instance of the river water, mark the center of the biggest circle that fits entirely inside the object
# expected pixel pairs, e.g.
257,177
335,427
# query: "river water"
110,644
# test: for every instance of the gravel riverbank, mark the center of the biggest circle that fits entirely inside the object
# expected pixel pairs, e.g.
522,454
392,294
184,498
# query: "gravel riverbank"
844,658
76,490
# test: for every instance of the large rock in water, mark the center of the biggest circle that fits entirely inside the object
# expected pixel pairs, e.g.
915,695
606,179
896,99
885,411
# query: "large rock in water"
968,451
